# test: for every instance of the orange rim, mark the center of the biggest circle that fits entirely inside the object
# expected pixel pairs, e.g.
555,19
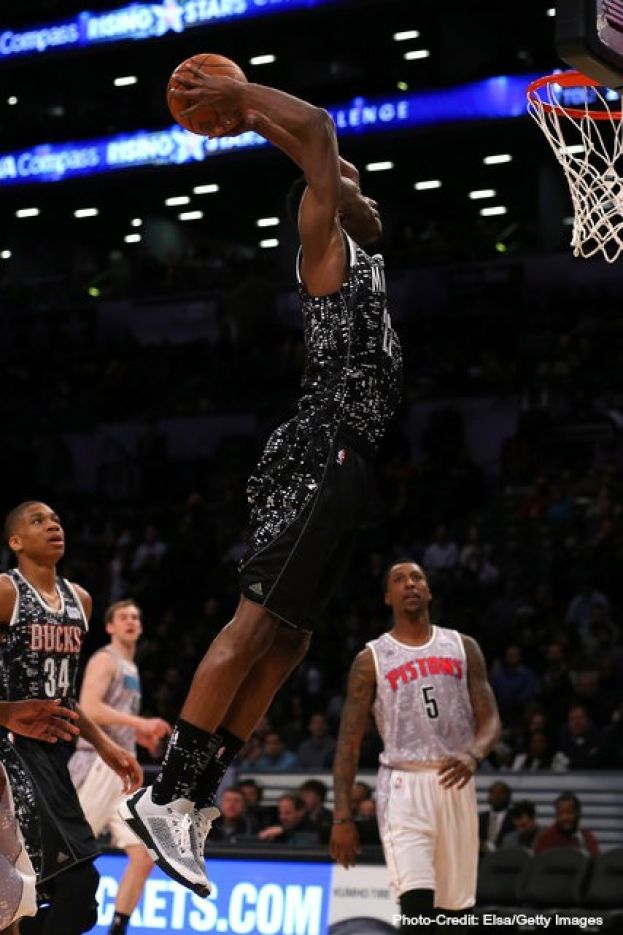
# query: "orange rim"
569,79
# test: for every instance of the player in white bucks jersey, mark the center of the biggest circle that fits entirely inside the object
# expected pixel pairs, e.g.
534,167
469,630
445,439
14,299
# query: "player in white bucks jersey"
111,696
437,718
311,491
43,621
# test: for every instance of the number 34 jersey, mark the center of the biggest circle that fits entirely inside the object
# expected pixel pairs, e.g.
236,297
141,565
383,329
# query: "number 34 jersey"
422,707
40,649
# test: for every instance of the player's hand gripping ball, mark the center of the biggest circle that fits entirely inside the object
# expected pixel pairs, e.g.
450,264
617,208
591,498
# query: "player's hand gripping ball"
210,104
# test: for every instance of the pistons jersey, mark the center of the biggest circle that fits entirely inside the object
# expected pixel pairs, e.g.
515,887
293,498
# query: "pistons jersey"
353,370
40,648
422,707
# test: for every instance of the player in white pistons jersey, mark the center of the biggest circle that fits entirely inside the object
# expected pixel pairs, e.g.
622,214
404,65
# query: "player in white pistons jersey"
437,717
111,696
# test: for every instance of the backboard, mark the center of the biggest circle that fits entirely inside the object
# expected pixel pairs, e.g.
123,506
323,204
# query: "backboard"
589,38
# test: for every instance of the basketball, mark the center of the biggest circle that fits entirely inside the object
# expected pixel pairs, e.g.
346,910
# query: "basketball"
204,120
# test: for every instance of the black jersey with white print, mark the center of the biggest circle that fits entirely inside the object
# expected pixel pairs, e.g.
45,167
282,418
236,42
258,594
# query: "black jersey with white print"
40,647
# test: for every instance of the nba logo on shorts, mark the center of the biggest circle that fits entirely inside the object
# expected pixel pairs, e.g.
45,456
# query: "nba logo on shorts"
341,456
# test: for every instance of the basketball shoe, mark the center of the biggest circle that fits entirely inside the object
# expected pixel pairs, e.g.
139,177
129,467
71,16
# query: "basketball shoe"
174,834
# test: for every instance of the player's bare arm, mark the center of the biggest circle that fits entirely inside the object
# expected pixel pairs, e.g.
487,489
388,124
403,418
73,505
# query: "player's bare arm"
123,763
7,600
344,844
42,720
458,770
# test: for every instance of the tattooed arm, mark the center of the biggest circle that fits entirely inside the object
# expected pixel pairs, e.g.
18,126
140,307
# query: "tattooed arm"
458,770
344,843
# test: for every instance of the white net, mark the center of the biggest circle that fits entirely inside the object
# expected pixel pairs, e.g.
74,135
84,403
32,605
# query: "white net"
584,128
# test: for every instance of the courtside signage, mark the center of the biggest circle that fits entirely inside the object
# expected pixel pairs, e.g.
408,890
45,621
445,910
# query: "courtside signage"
248,898
136,21
495,98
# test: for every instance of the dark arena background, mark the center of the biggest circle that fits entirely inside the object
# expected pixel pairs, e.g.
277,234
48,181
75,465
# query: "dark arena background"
150,339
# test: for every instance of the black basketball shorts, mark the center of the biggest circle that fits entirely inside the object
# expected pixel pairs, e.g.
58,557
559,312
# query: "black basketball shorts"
62,836
295,574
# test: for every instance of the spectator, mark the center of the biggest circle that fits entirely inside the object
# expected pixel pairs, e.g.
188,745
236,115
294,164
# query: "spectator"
566,830
316,753
261,815
578,739
609,752
234,819
581,606
314,794
361,791
514,685
275,758
293,825
367,822
495,821
540,754
526,829
441,554
150,551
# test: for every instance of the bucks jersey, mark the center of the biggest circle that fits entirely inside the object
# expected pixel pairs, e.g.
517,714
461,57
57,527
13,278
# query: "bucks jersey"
123,694
422,707
40,648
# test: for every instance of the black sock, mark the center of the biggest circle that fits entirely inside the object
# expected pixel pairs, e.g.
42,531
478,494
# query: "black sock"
209,781
119,924
189,751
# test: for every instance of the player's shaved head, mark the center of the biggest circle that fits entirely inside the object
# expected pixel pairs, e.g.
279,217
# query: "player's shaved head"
14,516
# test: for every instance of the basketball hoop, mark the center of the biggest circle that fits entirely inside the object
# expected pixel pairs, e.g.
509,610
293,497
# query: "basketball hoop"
586,133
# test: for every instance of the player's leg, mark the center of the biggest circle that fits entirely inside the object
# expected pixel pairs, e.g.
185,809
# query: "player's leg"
456,853
73,906
12,930
251,703
131,885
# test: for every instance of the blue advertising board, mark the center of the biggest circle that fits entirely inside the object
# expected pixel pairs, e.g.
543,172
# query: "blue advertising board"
136,21
249,897
494,98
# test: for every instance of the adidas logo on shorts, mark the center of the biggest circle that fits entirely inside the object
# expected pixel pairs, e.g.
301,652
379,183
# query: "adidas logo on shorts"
257,588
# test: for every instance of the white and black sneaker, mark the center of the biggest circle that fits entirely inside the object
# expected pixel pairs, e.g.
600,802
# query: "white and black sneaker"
201,824
168,832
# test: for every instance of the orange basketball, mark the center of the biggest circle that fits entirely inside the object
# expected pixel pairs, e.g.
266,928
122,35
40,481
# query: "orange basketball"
204,120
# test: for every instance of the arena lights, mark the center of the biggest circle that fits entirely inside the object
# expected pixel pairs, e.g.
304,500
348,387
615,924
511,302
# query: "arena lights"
136,222
86,212
551,11
416,54
427,184
574,148
262,59
379,166
491,99
482,193
11,101
491,212
498,159
176,201
406,34
137,21
27,212
5,254
125,80
190,215
269,243
267,222
209,189
132,238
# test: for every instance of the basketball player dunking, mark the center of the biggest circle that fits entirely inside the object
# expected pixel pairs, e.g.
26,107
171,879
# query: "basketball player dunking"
311,490
437,717
43,621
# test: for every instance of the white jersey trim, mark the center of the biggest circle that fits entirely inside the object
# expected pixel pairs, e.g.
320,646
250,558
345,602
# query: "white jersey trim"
433,633
44,604
461,647
376,661
78,601
15,613
352,257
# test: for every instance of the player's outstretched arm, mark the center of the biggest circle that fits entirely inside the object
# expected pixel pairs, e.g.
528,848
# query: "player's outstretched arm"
43,720
344,843
123,763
